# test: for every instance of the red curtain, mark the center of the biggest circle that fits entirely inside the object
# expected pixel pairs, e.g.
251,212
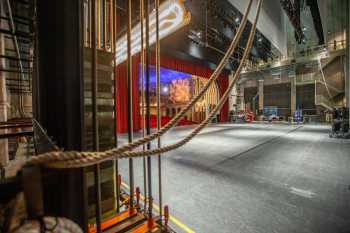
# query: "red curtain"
122,96
166,62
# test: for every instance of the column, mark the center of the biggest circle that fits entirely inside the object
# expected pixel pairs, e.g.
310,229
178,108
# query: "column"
233,97
241,106
261,95
293,95
4,156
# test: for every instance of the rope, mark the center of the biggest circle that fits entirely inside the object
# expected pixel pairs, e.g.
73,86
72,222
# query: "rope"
133,154
80,159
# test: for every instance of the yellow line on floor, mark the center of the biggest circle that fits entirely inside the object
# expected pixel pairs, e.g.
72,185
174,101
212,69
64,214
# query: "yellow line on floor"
173,219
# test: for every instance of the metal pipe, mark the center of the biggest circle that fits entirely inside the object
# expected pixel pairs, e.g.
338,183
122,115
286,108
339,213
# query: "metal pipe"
97,176
144,162
94,82
111,26
90,21
94,120
159,111
148,114
99,23
113,43
130,102
105,24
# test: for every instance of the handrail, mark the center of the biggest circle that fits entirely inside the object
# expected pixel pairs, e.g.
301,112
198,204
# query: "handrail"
308,52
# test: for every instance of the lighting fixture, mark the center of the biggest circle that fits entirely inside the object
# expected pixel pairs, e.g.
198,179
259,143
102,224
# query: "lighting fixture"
172,16
165,89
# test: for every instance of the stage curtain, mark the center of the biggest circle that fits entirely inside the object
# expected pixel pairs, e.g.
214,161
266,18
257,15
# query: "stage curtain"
166,62
122,96
199,70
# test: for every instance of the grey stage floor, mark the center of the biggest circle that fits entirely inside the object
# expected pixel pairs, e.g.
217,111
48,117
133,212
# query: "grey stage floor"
256,178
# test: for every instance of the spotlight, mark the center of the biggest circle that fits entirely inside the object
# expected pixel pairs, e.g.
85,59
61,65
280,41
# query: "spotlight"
237,19
260,40
304,29
165,89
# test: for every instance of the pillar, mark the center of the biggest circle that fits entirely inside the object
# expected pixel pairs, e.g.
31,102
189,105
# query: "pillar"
234,96
240,92
59,65
4,156
293,95
261,95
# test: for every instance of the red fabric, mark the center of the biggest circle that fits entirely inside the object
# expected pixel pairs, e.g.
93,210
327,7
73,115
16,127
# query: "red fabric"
122,96
166,62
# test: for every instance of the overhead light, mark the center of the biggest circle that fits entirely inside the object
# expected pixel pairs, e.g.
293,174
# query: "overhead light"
237,19
304,29
172,16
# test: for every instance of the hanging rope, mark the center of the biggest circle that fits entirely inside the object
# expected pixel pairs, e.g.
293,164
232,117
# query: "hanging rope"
80,159
132,154
216,109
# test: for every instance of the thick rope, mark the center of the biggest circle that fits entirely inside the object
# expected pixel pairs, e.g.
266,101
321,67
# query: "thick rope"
87,158
216,109
133,154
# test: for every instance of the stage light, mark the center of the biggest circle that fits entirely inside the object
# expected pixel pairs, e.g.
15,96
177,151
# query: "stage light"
238,19
165,89
172,16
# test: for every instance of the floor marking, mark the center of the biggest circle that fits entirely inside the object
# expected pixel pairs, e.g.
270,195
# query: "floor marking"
302,192
173,219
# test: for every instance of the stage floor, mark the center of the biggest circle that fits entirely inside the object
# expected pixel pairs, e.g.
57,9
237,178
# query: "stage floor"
255,178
